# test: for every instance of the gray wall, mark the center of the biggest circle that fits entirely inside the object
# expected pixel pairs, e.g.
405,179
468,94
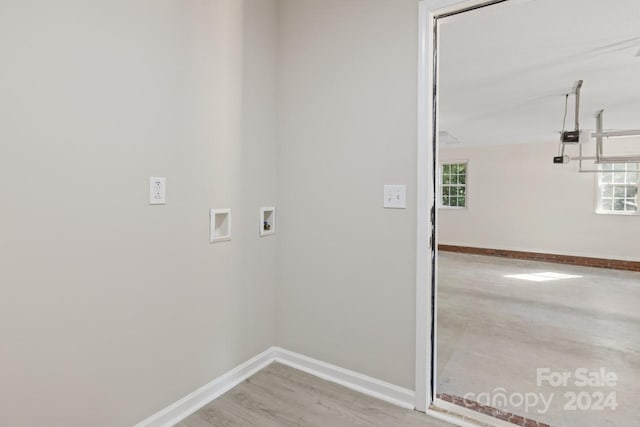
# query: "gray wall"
347,125
111,309
519,200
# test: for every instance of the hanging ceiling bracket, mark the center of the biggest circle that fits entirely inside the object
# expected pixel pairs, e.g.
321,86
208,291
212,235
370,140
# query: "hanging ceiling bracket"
573,136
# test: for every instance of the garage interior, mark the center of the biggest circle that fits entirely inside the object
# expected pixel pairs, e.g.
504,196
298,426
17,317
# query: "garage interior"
538,262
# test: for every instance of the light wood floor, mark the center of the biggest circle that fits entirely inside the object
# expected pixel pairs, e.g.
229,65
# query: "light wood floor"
282,396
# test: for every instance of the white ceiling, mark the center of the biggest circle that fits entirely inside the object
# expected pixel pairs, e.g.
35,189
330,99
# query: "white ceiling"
504,69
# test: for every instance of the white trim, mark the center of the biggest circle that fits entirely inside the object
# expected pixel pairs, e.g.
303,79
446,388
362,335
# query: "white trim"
424,197
428,10
176,412
361,383
617,213
370,386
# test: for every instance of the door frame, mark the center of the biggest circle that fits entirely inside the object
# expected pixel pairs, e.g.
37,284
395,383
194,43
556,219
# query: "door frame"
429,11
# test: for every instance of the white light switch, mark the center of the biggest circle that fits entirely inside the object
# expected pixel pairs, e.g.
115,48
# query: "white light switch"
395,196
157,190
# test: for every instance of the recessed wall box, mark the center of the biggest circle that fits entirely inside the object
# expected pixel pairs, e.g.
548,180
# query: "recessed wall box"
220,225
267,221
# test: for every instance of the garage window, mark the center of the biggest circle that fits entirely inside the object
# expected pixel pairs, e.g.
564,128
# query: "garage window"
453,179
618,188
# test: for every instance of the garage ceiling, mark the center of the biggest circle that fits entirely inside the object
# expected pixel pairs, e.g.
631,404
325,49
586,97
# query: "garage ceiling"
504,69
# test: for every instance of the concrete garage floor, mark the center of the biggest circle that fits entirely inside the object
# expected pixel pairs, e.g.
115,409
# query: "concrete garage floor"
495,331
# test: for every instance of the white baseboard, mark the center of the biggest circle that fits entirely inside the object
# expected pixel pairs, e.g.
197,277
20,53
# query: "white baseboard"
176,412
364,384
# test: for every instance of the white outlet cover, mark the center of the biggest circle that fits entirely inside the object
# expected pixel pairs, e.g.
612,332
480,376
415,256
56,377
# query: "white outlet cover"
395,196
157,190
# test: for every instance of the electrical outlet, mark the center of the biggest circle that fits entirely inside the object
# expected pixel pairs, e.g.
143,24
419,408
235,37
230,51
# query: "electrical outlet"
157,190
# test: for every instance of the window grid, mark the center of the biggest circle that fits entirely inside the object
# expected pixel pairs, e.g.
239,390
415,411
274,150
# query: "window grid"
618,188
454,185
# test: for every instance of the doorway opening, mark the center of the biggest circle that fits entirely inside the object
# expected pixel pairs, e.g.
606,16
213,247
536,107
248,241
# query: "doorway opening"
535,276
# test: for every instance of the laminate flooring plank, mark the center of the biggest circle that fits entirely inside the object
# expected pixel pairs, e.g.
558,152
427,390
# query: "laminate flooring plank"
310,400
234,403
291,409
222,414
263,407
198,420
360,406
280,396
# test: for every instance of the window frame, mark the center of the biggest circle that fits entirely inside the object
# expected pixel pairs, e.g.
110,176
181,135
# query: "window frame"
598,209
442,163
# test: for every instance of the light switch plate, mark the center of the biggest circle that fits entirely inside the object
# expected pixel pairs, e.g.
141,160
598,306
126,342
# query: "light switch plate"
157,190
395,196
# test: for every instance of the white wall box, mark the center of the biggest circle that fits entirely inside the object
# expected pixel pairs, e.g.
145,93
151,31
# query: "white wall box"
267,221
220,225
157,190
395,196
